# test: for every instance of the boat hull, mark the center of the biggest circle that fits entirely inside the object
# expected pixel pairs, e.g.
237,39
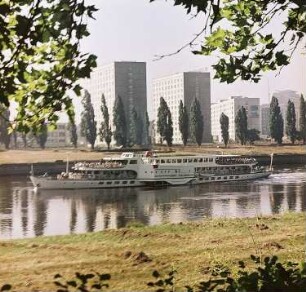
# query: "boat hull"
47,183
236,177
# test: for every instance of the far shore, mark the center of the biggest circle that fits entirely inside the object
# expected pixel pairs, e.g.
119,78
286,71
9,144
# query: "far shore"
54,155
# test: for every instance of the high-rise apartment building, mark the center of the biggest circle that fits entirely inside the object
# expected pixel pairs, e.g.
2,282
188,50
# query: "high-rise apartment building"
230,107
185,86
265,120
124,79
283,97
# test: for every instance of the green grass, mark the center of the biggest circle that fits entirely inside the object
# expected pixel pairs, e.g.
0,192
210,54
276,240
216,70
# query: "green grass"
190,248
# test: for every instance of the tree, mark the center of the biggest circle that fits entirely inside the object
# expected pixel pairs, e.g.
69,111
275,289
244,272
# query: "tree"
24,140
146,138
120,133
196,122
5,137
164,122
42,136
291,122
140,130
224,124
241,125
41,58
302,119
276,121
242,35
105,130
252,135
133,128
183,122
73,134
88,123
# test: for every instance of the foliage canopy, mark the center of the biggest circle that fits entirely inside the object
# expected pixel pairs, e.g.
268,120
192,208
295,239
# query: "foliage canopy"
241,31
40,57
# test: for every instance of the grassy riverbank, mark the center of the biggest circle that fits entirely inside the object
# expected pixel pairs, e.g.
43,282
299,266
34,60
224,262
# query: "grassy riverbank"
190,248
51,155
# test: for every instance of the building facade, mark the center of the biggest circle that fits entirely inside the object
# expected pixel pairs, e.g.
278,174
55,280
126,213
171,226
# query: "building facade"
124,79
59,137
265,120
283,97
185,87
230,107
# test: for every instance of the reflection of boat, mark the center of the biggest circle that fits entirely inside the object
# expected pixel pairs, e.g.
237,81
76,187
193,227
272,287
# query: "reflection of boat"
132,169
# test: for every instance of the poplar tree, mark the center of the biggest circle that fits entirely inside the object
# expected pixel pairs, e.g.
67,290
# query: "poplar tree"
88,123
133,128
146,140
42,136
5,137
164,122
73,134
120,133
241,125
276,121
224,124
196,122
183,122
140,130
302,119
105,132
291,122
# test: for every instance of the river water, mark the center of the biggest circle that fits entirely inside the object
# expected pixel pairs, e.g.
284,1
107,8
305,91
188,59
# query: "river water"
26,213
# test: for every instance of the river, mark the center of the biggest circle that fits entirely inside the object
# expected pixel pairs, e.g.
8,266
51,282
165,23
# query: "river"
25,213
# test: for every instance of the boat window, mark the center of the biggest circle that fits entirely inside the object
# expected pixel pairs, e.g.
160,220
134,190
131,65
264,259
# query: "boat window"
101,183
184,160
173,160
124,182
211,159
212,178
179,161
96,172
206,178
162,161
190,160
109,182
225,177
219,177
236,176
195,160
231,177
201,160
133,161
132,182
117,182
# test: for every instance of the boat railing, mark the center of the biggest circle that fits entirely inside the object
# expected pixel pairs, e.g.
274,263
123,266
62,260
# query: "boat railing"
99,165
234,160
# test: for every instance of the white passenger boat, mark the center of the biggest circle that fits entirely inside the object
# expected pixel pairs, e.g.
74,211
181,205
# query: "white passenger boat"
131,170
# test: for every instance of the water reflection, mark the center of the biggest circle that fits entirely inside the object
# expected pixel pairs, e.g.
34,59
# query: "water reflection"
25,213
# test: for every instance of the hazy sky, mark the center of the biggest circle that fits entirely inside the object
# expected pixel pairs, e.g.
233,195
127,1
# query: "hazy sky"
136,30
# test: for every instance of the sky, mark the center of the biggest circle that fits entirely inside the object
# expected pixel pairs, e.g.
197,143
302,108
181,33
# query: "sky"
137,30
